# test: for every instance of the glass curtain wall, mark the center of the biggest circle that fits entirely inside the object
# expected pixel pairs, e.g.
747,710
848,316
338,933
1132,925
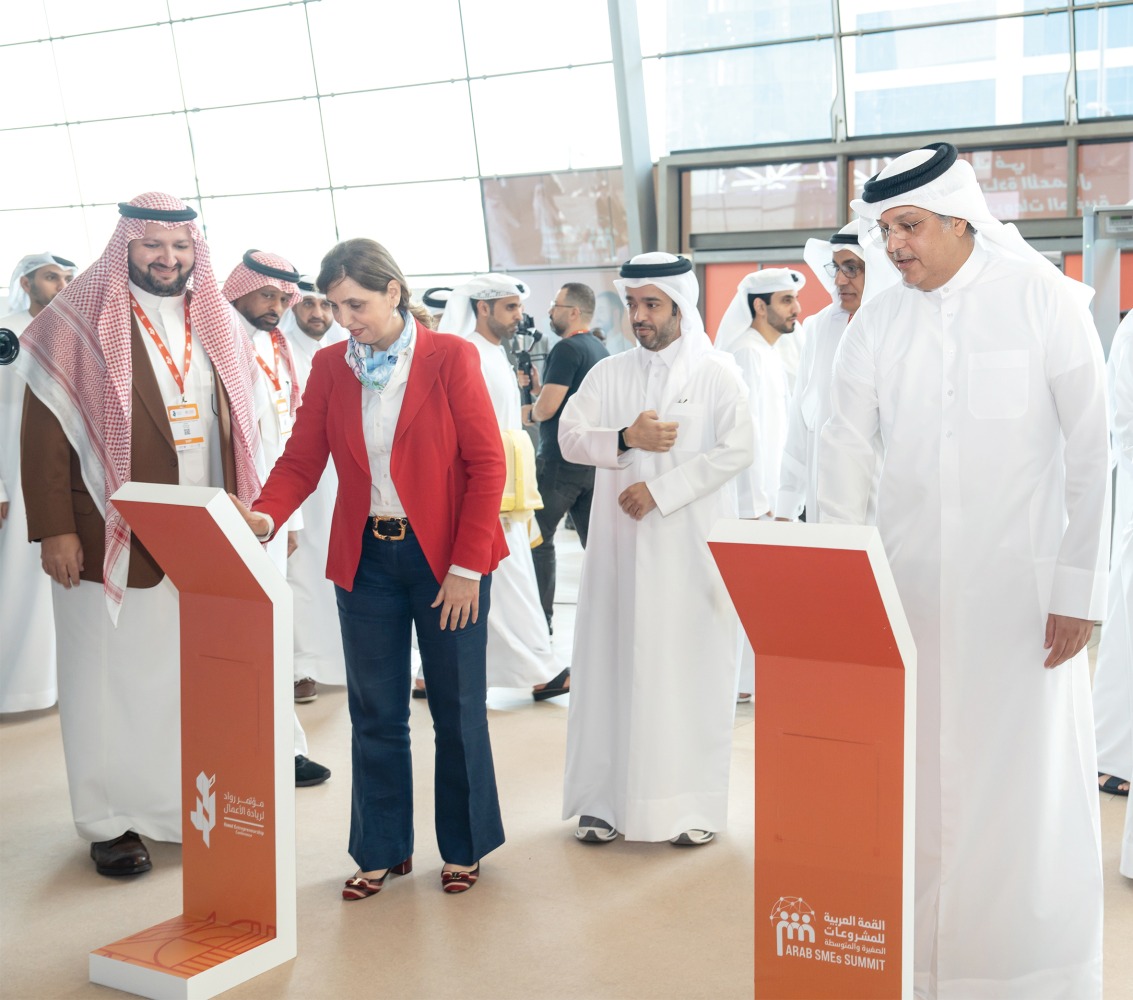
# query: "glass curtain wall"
477,134
463,134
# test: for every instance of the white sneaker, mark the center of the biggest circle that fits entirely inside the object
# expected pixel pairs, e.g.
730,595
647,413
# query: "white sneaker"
593,830
692,838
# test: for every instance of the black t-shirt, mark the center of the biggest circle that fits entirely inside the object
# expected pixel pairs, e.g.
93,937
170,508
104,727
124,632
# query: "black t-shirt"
567,364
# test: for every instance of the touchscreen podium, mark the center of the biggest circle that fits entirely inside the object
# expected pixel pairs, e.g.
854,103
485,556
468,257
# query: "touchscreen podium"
237,917
835,701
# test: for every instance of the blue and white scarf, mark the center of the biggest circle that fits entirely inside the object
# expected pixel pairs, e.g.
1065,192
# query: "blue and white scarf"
374,368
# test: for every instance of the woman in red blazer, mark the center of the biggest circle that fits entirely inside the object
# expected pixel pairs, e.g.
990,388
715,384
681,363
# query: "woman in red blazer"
415,535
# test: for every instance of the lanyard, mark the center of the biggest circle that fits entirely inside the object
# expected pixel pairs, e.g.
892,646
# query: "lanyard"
160,344
276,337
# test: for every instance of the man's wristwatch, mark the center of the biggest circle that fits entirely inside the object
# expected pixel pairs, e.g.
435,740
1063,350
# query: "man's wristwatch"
622,446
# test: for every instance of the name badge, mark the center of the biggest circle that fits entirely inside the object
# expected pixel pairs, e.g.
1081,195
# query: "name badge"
185,422
282,399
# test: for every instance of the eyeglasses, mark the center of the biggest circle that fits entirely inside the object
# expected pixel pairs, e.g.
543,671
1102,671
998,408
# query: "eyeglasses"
560,305
904,230
849,269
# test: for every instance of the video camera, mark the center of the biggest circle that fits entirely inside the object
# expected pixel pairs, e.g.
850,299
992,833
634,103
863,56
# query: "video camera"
526,337
9,346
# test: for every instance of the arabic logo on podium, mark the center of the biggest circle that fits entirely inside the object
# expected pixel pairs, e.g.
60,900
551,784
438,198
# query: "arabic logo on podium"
794,923
204,815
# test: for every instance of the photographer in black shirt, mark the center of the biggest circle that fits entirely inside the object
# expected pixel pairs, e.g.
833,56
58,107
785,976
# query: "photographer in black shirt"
563,485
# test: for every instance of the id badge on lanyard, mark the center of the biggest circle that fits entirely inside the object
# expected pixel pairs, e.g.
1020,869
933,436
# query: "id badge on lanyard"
184,415
185,422
282,399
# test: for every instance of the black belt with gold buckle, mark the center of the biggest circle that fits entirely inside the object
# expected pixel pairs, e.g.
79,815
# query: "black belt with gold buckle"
389,529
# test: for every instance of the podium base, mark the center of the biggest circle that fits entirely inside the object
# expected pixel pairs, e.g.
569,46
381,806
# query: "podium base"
188,958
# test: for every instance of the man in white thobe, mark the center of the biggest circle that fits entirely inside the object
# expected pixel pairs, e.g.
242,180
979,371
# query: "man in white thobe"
763,313
1120,620
261,288
309,326
127,381
852,271
27,624
487,310
649,735
764,310
981,377
1113,673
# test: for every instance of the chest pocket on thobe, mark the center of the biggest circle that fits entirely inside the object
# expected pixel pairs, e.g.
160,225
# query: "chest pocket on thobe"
695,433
998,384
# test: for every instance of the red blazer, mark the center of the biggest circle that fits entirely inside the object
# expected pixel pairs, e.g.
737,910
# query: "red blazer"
447,461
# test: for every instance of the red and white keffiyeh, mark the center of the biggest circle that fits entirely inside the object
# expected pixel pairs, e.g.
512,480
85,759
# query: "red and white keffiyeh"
244,279
76,357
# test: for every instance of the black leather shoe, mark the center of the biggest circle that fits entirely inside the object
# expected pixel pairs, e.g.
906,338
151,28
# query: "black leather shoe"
559,684
307,772
125,855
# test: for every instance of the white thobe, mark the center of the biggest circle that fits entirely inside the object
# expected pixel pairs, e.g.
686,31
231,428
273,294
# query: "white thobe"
653,676
519,642
1113,675
809,410
1113,672
769,396
318,638
27,623
988,395
790,347
275,429
119,688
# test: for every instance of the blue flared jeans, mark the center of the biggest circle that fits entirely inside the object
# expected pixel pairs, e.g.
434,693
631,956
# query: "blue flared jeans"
394,588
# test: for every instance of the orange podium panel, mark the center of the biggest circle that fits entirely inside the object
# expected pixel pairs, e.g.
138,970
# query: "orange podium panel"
237,754
835,704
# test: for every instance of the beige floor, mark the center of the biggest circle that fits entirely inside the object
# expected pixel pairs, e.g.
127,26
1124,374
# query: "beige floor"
550,918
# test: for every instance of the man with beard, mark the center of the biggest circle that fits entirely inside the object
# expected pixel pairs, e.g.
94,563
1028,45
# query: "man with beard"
308,327
763,312
564,486
132,374
649,735
487,310
980,379
261,288
765,308
27,660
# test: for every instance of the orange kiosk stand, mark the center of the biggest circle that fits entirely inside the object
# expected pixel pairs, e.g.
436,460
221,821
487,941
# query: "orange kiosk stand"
237,770
835,718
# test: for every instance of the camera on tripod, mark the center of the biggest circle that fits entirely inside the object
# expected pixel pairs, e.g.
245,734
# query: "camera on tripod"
526,337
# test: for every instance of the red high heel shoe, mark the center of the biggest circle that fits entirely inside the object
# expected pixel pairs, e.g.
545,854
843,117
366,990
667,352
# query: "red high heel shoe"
359,887
460,881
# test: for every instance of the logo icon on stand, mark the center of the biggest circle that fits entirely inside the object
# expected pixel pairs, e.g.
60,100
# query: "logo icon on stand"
204,815
794,922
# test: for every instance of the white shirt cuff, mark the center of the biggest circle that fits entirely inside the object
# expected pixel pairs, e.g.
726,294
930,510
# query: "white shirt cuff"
468,574
271,528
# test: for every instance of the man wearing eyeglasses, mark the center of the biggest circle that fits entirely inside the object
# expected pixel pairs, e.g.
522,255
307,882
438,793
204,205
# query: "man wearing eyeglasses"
563,485
980,380
840,264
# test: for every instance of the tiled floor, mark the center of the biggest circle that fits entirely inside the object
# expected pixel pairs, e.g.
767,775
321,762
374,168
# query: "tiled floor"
550,917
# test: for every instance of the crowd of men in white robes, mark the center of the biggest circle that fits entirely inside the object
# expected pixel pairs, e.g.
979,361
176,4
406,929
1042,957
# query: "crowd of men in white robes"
953,393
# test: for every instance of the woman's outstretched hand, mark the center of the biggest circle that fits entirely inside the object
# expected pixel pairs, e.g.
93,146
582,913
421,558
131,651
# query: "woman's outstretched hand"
257,522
